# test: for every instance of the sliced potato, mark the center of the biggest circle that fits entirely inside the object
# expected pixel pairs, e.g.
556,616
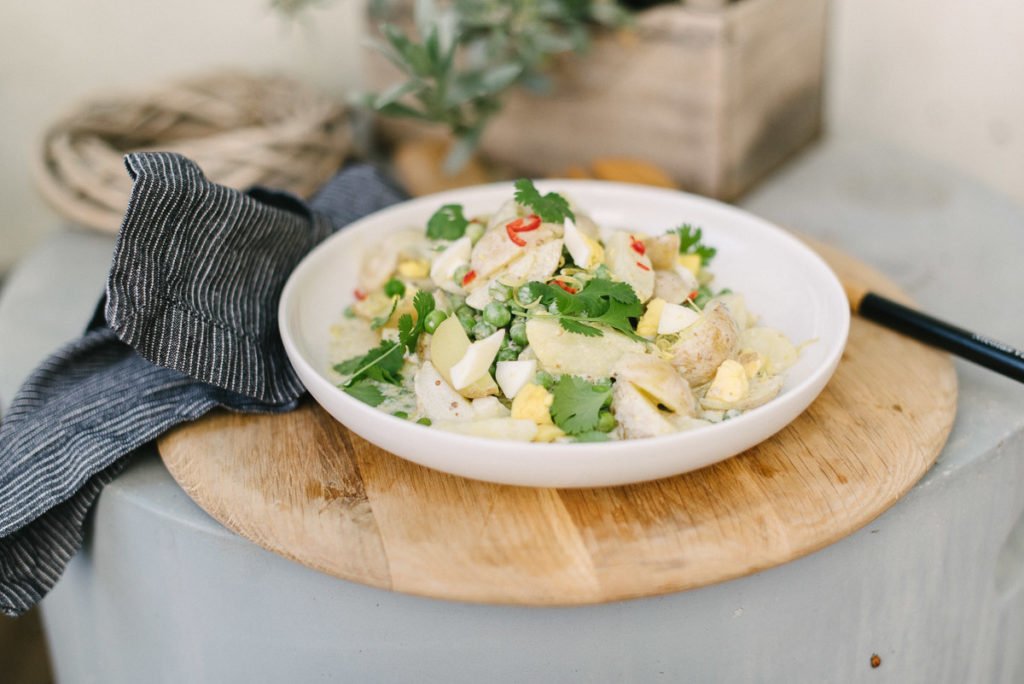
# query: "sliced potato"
448,345
560,351
773,346
657,378
535,264
638,416
700,349
436,399
663,250
495,248
629,266
495,428
671,287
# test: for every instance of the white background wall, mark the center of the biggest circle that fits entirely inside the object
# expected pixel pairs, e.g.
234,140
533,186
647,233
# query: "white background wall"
943,77
52,54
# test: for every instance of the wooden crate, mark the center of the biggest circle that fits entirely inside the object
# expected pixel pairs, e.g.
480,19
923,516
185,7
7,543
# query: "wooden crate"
717,96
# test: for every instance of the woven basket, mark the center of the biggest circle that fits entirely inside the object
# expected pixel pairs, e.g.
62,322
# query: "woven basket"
241,130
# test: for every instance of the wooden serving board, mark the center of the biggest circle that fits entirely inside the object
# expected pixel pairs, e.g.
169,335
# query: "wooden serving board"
303,486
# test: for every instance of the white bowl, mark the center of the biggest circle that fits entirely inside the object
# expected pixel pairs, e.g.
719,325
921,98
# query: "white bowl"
784,282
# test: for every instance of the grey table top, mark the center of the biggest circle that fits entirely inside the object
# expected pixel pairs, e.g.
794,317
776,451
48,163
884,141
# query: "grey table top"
939,591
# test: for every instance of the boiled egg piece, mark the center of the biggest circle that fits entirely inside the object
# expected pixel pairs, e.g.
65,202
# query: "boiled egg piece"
730,383
447,262
647,326
512,376
675,317
476,362
533,402
585,251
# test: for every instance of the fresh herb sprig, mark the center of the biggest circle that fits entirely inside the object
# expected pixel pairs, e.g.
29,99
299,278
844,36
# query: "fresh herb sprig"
691,241
552,207
577,404
601,301
408,331
383,363
447,223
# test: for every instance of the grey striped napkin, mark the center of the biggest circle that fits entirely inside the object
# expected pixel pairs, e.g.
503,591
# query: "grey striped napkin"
188,324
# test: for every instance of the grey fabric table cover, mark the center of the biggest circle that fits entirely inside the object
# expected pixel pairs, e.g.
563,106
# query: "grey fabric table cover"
188,324
934,587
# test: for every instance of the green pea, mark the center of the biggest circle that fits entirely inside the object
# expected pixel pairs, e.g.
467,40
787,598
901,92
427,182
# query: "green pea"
394,288
526,295
500,292
497,314
467,317
423,421
456,301
544,379
401,414
507,354
517,333
483,329
606,421
434,319
459,274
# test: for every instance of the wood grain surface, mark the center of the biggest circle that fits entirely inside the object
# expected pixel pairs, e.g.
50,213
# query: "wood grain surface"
301,485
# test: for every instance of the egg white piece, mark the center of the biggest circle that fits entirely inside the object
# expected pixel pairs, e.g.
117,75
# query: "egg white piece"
477,360
675,317
512,376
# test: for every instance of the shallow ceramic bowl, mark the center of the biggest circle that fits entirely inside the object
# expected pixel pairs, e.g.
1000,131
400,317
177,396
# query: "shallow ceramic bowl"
784,282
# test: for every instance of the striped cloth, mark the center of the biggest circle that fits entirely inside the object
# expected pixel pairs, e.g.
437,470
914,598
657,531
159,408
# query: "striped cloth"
188,324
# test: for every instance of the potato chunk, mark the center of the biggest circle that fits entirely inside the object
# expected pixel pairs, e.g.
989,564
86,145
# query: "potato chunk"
560,351
627,265
700,349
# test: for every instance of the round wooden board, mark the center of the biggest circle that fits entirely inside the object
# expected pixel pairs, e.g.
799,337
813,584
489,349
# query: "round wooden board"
303,486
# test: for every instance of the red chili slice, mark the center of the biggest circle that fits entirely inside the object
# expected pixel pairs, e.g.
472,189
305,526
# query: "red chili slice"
643,266
638,246
468,278
525,224
513,237
567,288
359,294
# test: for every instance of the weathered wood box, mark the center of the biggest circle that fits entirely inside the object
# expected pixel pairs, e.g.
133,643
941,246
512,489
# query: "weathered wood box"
717,96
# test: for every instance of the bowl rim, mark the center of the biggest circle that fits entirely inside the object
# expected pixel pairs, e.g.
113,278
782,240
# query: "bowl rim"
582,451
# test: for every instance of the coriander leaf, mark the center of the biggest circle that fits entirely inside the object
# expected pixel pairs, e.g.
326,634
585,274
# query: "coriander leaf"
380,363
380,321
447,223
601,301
577,404
409,332
575,326
592,436
552,207
620,292
365,391
690,242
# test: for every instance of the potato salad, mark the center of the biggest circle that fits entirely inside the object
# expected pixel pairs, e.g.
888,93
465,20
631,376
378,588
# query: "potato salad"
535,324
